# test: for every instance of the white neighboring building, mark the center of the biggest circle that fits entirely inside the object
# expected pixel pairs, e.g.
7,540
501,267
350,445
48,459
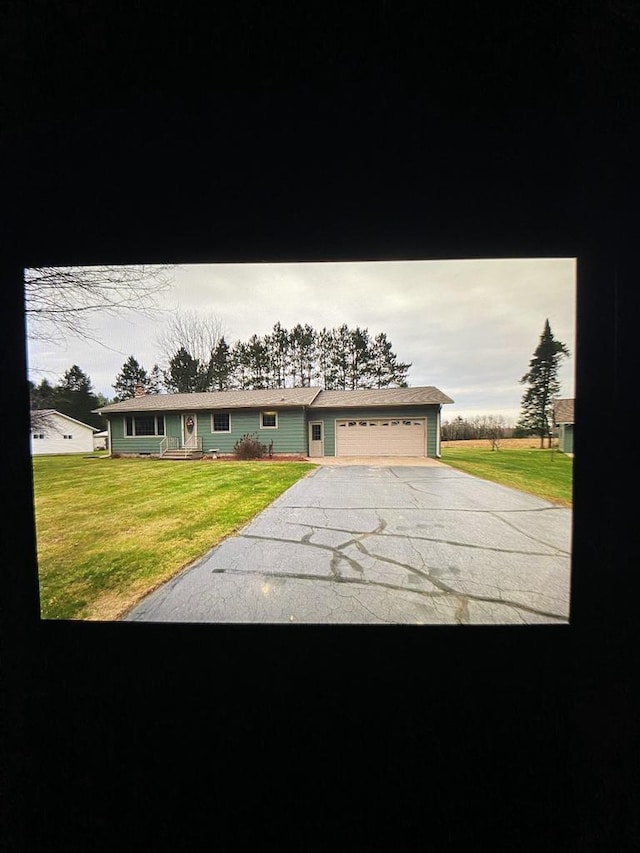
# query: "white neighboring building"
59,433
101,440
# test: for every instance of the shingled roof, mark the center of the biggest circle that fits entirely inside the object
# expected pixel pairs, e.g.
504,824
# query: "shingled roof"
279,398
272,398
563,411
380,397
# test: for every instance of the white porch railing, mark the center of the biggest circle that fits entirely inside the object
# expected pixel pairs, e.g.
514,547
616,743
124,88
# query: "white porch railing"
174,442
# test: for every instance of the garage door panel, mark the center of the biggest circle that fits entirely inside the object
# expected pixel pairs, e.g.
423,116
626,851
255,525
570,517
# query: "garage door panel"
381,437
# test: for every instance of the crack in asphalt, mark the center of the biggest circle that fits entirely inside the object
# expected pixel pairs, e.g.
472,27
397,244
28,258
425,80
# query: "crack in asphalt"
527,534
381,527
336,577
433,595
364,607
478,510
444,588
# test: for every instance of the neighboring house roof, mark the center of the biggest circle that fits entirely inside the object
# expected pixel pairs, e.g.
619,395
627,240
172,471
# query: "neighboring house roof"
380,397
51,412
563,411
278,398
271,398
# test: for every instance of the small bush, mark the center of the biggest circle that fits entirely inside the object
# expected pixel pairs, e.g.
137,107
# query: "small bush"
248,447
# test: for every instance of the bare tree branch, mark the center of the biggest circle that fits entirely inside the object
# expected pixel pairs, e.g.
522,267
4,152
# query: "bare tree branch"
61,300
42,420
198,334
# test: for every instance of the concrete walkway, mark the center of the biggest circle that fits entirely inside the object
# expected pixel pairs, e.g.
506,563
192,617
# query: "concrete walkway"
383,543
376,461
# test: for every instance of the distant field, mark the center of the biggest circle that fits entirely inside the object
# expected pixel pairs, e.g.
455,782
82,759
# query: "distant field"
505,443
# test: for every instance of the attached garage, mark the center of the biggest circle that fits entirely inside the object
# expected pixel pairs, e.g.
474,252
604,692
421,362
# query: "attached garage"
377,422
381,437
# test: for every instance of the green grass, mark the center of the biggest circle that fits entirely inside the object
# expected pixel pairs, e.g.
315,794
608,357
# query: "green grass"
111,530
544,473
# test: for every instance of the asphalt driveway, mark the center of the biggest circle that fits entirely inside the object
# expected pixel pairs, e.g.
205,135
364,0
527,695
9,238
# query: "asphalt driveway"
382,543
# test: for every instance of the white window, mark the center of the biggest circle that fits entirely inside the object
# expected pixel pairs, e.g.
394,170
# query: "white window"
67,436
38,435
144,425
269,420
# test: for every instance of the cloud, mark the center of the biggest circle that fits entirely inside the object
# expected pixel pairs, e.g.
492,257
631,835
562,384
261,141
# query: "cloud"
468,327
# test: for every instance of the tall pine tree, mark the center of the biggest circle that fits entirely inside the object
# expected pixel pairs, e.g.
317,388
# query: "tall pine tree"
131,375
279,349
542,379
221,366
74,397
386,371
184,374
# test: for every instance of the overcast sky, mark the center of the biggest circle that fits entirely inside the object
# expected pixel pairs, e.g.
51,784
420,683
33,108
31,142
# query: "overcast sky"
468,327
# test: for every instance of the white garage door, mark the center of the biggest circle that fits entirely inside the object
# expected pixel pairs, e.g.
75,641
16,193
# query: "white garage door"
381,437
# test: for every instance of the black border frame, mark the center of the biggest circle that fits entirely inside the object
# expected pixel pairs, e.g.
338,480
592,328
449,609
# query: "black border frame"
325,737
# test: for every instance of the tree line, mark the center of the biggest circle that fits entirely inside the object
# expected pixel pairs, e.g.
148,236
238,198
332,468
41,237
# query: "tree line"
59,301
341,358
480,426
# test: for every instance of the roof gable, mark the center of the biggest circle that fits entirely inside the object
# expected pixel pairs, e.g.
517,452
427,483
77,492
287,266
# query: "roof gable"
50,412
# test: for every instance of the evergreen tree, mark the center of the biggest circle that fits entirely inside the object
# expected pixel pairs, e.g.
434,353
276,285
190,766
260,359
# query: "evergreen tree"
325,346
240,361
74,397
302,350
386,370
154,383
184,374
130,377
537,402
359,359
278,354
338,375
257,363
221,366
42,400
43,396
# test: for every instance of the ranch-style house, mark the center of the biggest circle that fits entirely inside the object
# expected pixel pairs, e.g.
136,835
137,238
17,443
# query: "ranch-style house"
293,421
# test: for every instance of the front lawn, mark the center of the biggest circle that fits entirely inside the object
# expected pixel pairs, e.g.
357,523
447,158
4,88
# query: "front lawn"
547,474
111,530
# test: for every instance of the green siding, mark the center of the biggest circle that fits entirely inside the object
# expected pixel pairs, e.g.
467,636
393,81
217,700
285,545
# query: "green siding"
330,416
290,436
121,443
565,438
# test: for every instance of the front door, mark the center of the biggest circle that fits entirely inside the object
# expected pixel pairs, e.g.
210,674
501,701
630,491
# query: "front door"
189,429
316,438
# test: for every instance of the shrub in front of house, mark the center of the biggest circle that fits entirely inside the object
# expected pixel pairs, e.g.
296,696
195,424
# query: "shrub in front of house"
249,447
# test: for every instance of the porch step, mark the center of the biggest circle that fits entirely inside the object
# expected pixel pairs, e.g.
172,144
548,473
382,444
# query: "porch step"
182,453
